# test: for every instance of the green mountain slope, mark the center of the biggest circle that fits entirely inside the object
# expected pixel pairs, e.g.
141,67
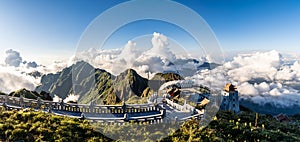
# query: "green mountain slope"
93,84
160,78
28,126
167,77
80,79
30,94
101,92
227,126
129,84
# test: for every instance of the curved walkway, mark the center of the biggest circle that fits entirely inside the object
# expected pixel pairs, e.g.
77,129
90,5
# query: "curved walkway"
151,112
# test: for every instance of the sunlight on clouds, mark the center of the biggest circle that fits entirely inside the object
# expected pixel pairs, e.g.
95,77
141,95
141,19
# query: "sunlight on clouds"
262,77
71,98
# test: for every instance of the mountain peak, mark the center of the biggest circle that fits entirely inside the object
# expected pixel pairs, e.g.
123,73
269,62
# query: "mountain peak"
129,72
169,76
129,83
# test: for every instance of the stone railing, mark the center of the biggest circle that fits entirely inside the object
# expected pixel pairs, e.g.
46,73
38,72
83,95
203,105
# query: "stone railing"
195,116
85,108
185,107
138,113
126,109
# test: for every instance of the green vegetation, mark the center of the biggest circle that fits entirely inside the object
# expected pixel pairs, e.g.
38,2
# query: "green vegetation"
103,92
30,94
204,89
167,77
147,92
226,126
137,132
40,126
136,100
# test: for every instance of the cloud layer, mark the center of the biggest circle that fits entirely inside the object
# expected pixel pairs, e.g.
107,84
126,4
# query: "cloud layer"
262,77
16,73
148,60
11,80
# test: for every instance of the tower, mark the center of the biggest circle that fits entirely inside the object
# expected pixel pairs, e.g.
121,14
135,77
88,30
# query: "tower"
230,100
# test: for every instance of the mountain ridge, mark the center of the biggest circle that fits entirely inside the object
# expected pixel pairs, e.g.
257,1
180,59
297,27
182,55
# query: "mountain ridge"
98,85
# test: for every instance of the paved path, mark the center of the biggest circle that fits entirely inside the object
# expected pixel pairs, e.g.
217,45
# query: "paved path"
173,114
141,114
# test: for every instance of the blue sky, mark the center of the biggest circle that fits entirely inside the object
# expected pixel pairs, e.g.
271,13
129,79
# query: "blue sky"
49,30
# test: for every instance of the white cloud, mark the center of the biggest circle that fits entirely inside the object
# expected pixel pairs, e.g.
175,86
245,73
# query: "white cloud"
158,58
263,77
126,58
99,58
159,40
262,87
12,79
160,47
247,89
57,99
13,58
31,64
275,92
52,68
253,66
19,75
289,73
71,98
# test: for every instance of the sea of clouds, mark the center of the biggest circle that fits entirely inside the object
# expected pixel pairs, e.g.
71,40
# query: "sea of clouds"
16,73
157,58
262,77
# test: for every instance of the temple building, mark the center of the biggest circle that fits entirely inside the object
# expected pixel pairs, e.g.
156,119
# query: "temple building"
230,100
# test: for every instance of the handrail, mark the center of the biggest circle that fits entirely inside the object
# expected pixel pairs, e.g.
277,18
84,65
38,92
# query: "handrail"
190,117
20,103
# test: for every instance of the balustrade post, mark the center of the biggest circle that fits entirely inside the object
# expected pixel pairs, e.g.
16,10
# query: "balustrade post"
39,103
164,112
125,117
124,107
56,106
14,101
6,99
50,108
21,100
92,106
62,105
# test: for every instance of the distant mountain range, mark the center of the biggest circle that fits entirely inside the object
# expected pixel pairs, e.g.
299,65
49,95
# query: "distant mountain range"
93,84
269,108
